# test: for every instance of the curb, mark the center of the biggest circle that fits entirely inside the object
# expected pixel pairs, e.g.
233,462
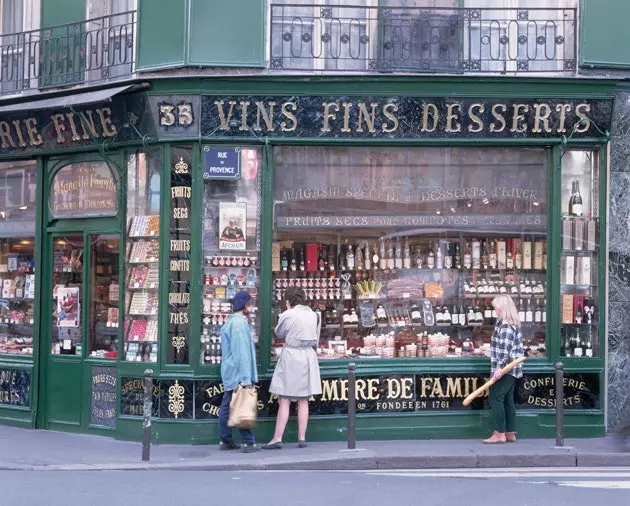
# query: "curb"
361,462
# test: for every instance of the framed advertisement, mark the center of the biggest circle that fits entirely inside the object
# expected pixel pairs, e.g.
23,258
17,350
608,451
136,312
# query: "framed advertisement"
68,306
232,226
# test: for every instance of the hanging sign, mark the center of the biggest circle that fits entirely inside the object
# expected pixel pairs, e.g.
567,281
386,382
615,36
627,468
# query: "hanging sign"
221,163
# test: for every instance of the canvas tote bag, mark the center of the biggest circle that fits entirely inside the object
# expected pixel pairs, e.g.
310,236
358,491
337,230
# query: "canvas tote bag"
243,408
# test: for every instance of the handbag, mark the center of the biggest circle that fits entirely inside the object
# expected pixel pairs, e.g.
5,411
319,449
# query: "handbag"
243,408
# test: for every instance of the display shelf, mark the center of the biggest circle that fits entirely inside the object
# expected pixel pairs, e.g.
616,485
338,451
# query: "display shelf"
141,301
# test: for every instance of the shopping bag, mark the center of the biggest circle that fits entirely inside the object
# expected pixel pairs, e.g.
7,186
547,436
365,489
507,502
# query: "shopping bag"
243,408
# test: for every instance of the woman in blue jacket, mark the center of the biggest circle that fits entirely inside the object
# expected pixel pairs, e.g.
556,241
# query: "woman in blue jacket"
238,367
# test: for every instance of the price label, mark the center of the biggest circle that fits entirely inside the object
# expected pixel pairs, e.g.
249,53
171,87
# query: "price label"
347,296
405,295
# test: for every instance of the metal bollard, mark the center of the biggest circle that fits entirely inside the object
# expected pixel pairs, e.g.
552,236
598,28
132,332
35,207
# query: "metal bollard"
352,406
146,415
559,404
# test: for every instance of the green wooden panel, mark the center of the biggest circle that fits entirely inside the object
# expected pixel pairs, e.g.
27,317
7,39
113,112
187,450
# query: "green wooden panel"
59,12
227,33
604,36
63,392
162,33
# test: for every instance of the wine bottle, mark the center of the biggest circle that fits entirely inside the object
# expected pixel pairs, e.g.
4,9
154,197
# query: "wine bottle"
358,258
577,209
302,264
431,258
390,254
349,259
458,257
493,255
467,256
416,315
367,260
476,254
521,311
455,315
439,257
418,257
578,314
570,206
320,261
375,258
448,257
446,315
544,312
439,315
578,351
588,348
563,344
470,315
478,314
462,316
485,257
487,313
383,258
398,261
529,316
407,254
332,257
284,260
538,313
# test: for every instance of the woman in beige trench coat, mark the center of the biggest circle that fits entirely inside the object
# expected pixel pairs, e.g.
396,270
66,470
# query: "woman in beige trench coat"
296,377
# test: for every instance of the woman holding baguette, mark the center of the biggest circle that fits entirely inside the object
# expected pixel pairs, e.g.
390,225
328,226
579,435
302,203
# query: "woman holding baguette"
506,345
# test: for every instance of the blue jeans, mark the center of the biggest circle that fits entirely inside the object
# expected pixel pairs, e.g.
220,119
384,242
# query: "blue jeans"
225,432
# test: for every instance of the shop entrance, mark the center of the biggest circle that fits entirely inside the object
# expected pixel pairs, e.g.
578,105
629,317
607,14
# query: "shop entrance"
79,323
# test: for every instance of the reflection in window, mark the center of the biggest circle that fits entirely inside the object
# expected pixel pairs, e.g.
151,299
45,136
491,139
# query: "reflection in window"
402,250
17,256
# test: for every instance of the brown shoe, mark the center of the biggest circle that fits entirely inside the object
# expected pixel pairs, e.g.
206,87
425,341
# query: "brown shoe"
496,438
510,437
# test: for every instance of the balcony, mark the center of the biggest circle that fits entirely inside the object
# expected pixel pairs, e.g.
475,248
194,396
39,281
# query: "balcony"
312,38
92,51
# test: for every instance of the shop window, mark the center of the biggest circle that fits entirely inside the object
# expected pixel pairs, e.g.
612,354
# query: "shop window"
579,285
17,256
402,250
142,257
231,239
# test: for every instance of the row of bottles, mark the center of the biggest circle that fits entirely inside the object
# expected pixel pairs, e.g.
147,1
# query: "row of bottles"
525,286
575,345
428,315
388,254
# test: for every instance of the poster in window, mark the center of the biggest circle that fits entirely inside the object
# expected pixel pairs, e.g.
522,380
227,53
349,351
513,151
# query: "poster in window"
232,223
68,306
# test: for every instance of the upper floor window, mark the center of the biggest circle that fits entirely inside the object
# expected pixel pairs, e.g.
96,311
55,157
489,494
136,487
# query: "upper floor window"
423,35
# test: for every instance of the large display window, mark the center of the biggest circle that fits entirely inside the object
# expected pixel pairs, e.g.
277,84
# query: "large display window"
17,256
403,249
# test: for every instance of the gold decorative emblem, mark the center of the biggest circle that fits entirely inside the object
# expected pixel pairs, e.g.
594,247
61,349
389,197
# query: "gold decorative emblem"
176,399
178,343
181,167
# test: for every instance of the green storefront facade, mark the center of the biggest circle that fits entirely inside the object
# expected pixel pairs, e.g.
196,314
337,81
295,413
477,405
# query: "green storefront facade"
330,180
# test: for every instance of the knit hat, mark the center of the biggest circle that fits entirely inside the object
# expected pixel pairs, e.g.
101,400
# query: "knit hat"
241,299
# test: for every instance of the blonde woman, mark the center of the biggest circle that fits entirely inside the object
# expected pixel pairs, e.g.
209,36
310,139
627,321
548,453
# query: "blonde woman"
506,345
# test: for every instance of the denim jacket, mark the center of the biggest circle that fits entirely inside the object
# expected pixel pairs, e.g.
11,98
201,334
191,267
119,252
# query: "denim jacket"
238,364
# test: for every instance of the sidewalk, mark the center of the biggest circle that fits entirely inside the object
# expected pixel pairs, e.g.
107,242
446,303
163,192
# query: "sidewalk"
22,449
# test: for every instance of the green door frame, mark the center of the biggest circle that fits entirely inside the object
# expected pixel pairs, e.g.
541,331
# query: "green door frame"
85,227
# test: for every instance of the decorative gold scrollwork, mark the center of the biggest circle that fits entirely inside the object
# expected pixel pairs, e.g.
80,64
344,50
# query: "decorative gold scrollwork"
179,342
176,399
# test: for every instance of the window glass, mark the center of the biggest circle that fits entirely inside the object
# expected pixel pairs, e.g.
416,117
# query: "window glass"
17,256
579,286
142,256
403,249
231,242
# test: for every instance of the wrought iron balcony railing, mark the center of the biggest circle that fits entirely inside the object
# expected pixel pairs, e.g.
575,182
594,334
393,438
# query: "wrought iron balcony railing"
384,39
91,51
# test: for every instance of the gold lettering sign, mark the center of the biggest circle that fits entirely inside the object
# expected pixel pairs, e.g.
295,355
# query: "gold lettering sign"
84,189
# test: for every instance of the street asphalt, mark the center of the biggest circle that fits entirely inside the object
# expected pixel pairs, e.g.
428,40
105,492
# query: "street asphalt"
569,487
23,449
